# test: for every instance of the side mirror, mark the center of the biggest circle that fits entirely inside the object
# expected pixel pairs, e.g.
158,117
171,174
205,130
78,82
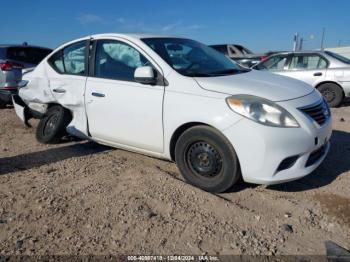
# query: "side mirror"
145,75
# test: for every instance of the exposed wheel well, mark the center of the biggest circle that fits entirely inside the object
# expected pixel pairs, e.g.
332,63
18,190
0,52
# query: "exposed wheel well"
330,82
55,104
178,132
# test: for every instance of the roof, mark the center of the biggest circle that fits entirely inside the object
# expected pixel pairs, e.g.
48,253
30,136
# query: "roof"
225,45
24,46
132,35
300,52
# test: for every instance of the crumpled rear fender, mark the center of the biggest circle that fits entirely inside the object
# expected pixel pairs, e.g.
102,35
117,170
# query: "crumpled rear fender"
38,96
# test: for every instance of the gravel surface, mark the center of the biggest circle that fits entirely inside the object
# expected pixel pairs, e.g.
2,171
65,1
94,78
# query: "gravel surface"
79,197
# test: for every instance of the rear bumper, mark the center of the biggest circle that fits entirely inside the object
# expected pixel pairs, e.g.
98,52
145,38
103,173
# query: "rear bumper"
6,95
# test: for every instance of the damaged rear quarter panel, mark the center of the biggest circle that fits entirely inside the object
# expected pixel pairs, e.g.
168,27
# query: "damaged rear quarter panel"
40,89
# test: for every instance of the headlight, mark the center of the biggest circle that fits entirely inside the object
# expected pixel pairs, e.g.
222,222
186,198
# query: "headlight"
261,110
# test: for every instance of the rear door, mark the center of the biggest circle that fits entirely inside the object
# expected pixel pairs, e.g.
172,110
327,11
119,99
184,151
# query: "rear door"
67,76
310,68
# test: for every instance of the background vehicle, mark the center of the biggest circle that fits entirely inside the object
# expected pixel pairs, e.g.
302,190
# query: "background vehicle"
178,99
239,53
13,60
270,53
326,71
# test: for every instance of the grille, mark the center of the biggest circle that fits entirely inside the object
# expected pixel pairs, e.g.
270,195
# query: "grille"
315,156
318,112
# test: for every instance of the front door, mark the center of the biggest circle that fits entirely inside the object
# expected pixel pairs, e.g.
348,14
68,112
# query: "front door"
121,111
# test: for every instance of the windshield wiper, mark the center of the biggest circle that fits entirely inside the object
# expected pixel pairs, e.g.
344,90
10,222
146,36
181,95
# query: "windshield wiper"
195,74
227,72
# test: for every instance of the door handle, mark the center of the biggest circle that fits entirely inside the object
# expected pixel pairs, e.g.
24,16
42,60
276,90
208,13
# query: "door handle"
98,94
59,90
317,74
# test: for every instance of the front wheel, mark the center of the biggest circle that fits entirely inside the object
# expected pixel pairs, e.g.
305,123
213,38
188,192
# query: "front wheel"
207,159
52,127
332,93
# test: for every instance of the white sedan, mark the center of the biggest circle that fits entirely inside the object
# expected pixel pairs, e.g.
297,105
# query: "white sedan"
178,99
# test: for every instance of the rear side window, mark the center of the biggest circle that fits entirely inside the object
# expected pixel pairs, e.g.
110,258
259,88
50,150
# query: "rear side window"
70,60
221,49
30,55
336,56
232,50
243,50
308,62
274,63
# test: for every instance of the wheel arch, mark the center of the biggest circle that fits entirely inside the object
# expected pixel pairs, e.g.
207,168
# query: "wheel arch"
330,82
178,132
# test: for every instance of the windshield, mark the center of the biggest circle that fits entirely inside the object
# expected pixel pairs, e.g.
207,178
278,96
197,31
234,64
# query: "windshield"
338,57
191,58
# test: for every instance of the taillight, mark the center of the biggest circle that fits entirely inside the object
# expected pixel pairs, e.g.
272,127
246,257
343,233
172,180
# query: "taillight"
10,88
264,57
8,66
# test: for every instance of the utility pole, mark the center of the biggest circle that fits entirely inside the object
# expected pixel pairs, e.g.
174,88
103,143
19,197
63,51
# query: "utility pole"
322,39
301,43
295,42
339,43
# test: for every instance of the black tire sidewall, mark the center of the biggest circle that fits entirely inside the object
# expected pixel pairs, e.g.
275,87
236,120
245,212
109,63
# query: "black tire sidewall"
2,103
230,173
337,91
59,129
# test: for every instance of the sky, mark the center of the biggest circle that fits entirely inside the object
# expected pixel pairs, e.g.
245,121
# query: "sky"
260,25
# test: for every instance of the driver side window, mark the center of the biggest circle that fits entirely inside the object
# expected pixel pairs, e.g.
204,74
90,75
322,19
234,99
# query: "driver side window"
117,60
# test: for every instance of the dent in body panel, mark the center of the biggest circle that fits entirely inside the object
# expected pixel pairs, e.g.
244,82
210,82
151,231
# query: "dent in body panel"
39,93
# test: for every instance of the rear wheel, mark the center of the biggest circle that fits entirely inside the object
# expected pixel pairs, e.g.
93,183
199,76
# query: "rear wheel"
207,159
2,104
332,93
52,127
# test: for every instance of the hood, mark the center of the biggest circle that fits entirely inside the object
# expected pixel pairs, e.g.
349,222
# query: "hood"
263,84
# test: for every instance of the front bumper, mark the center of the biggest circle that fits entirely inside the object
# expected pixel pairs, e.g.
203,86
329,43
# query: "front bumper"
262,149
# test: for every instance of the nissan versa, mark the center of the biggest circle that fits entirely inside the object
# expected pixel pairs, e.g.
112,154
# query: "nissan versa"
178,99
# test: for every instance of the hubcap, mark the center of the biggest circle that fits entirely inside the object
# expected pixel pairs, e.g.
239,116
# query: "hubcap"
51,124
328,94
204,159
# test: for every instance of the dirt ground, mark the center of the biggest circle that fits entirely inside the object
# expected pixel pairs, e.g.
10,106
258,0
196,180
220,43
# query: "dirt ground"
84,198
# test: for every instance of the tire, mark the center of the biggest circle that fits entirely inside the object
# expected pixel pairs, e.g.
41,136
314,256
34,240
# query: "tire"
52,127
2,104
207,159
332,93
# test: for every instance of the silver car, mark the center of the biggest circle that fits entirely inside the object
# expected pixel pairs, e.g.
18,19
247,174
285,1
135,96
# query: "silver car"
326,71
14,59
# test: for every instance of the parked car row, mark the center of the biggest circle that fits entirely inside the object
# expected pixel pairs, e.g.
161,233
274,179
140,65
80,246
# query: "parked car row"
178,99
14,61
326,71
